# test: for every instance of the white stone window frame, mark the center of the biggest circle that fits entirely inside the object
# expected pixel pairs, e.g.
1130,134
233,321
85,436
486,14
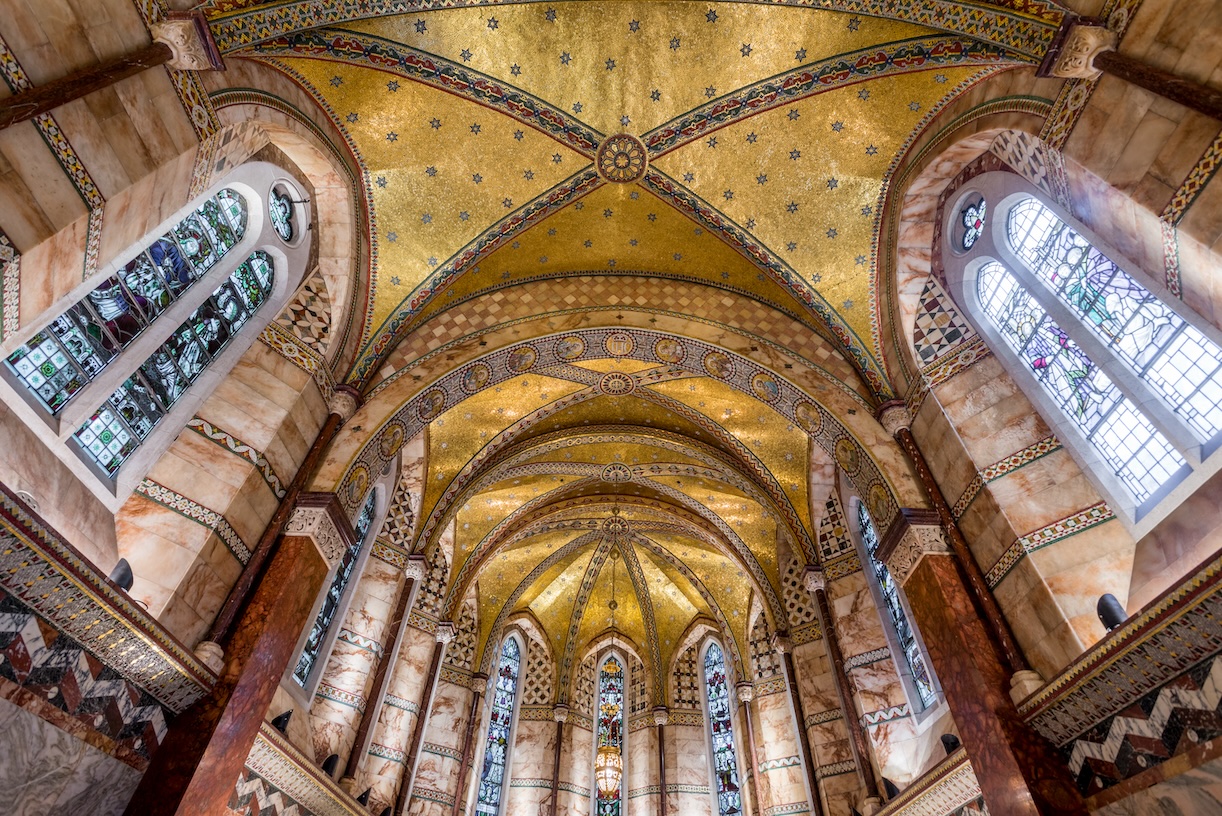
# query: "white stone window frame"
920,712
383,490
1002,191
739,756
254,181
601,660
485,720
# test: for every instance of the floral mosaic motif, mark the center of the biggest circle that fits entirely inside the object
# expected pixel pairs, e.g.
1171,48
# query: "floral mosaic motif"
725,764
611,728
621,159
496,746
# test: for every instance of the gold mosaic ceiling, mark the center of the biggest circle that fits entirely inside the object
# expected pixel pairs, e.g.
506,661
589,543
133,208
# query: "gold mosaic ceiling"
768,133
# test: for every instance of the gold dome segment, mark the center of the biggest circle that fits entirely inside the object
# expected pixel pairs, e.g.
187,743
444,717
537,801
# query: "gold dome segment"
621,159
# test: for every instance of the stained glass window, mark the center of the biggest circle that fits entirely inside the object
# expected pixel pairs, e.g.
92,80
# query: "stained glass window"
1137,452
973,222
280,208
610,729
59,361
335,592
1177,360
129,415
496,749
725,765
911,650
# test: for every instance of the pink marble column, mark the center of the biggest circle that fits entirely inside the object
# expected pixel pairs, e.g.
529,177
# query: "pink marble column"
479,684
746,693
784,649
445,633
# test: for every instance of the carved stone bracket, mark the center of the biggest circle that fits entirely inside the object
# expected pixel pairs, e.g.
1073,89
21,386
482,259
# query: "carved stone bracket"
190,41
814,580
661,715
479,682
318,517
345,402
781,644
560,713
918,541
894,416
445,632
415,569
1083,43
746,691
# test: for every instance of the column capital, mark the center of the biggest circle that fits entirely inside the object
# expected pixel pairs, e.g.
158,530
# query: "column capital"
560,713
319,517
345,402
894,416
1082,43
479,682
661,715
415,568
813,579
190,41
915,542
781,644
745,690
445,632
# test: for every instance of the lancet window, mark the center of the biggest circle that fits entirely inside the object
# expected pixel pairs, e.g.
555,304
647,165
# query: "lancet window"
610,730
335,593
500,726
909,647
721,731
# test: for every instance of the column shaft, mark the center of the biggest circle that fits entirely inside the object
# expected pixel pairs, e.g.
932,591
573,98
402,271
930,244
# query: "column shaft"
1192,95
755,762
816,807
661,769
412,758
468,744
556,767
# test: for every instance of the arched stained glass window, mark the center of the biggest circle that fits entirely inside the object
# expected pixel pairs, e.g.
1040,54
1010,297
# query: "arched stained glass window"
1136,451
335,592
1173,357
610,730
129,415
721,728
280,210
911,649
500,724
59,361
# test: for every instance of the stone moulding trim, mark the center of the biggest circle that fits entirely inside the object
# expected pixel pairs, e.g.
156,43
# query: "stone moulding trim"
885,715
835,769
569,787
789,809
773,685
239,448
1059,530
274,759
821,717
387,753
401,703
1016,460
43,573
777,764
432,795
338,695
189,508
866,658
319,517
945,789
388,554
441,750
1180,630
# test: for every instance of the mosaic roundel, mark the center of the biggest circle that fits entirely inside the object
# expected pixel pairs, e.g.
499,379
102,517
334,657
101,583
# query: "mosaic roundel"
808,417
619,344
719,365
765,387
521,359
617,526
848,456
431,404
669,350
617,472
476,377
391,440
617,384
879,502
621,158
358,481
570,348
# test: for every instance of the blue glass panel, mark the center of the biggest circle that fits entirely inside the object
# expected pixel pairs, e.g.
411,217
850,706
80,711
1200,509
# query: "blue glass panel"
496,747
610,729
721,725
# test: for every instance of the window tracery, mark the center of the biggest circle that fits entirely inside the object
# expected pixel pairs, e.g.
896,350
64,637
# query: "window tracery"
610,729
721,731
500,724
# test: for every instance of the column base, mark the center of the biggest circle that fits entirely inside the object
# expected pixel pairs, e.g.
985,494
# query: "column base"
211,655
348,785
1025,683
871,805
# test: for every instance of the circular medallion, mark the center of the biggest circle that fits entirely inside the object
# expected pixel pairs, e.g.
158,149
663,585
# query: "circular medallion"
616,526
621,158
619,344
879,501
617,472
765,387
570,348
669,350
521,359
808,417
718,365
391,441
848,456
431,404
358,480
476,377
617,384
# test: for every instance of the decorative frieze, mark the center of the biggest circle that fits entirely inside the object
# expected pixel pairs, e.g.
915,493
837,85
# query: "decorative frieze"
947,788
916,542
1083,43
189,40
282,767
319,524
1050,534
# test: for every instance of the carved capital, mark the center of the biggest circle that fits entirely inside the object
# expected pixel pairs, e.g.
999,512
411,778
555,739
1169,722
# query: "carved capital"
560,713
317,524
661,715
781,644
894,417
345,402
746,691
189,40
415,569
479,682
918,541
1082,44
814,580
445,632
211,655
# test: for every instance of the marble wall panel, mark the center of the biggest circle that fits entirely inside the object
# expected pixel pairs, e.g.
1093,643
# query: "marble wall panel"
1196,791
840,794
687,755
1186,538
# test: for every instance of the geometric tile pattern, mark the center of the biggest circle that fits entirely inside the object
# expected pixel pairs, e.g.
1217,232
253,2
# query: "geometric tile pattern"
10,281
255,796
685,686
939,326
583,696
1058,530
833,531
538,679
799,607
296,777
461,651
428,599
638,693
1200,175
764,662
308,315
1034,161
1026,456
949,789
400,521
55,668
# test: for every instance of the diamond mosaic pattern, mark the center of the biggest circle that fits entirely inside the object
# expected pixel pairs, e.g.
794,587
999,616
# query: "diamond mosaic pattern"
939,326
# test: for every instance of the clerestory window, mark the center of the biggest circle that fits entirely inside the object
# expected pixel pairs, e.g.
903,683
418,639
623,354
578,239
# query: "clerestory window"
500,730
721,732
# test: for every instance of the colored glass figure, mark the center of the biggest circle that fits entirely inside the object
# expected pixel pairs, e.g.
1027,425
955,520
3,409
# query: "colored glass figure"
725,764
496,748
280,208
610,729
129,415
335,593
973,223
1137,452
58,362
1177,360
913,656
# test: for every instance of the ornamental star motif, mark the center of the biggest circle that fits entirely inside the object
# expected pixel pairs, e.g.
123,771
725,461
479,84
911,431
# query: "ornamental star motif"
465,54
710,16
800,54
634,26
421,26
493,23
745,50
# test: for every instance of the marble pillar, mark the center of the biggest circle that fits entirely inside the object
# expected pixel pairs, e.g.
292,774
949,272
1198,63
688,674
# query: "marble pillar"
434,785
479,684
424,720
784,649
782,778
660,716
746,693
194,770
688,774
1019,773
560,714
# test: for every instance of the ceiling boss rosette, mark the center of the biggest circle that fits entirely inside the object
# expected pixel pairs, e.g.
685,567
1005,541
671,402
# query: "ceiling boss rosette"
621,159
